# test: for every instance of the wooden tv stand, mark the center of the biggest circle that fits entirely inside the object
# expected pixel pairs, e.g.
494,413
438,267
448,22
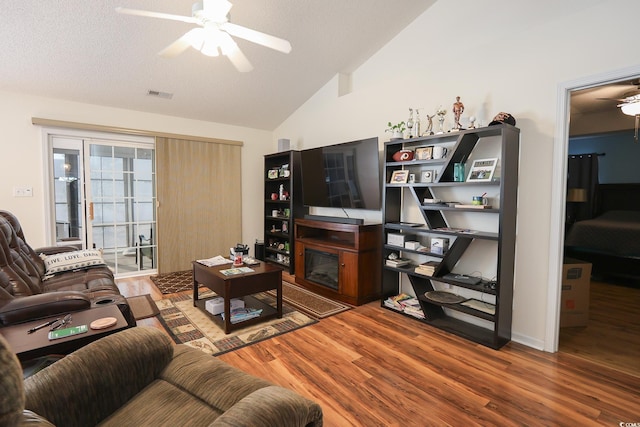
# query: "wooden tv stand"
354,248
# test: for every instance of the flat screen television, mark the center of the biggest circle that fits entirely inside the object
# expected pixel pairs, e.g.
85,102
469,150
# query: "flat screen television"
343,175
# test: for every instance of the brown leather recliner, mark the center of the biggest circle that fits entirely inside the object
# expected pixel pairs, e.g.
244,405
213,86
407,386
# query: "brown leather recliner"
27,294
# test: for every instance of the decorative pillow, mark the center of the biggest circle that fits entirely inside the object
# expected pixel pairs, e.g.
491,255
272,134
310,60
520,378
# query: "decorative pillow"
71,261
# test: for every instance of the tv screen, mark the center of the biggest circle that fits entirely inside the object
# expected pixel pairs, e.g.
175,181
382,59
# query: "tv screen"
343,175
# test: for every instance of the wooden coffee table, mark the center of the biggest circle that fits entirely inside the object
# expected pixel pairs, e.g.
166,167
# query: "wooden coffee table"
263,278
29,346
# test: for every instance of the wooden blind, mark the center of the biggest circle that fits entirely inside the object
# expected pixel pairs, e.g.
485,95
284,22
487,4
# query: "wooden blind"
199,203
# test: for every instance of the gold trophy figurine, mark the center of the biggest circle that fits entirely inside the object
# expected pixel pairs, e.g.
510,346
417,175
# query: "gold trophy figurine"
458,109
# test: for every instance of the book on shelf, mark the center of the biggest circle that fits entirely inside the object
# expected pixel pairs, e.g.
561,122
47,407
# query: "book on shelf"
485,307
427,268
405,303
451,229
455,230
474,206
395,301
410,304
415,312
398,262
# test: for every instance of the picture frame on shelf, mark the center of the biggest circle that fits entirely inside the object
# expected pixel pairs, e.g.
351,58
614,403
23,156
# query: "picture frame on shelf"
482,170
424,153
399,177
427,176
272,174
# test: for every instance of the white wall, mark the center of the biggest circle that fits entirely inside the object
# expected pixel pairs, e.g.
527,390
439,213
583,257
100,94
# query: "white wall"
498,57
22,158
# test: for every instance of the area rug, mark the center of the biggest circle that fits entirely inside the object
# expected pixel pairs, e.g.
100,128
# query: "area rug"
172,283
306,301
142,306
190,325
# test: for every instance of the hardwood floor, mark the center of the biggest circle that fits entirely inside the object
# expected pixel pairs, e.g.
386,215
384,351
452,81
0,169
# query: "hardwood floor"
371,367
612,335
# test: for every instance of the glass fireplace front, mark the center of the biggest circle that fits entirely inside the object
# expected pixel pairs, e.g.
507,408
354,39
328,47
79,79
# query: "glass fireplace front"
321,268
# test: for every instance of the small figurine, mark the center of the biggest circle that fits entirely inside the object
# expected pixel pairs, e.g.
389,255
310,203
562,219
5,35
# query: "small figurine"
472,122
458,109
429,130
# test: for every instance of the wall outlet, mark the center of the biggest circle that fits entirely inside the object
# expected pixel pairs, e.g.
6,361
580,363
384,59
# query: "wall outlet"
22,191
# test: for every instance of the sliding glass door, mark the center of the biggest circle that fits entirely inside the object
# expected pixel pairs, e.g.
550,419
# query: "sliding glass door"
103,194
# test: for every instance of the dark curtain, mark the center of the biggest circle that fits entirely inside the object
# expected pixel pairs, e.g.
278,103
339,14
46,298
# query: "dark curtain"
583,174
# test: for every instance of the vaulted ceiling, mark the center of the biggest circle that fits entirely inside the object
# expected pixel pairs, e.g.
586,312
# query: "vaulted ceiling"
84,51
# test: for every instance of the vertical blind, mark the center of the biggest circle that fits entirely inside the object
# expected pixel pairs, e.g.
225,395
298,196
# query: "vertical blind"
199,201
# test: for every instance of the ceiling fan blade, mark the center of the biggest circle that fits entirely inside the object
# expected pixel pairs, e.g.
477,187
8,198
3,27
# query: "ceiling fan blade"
611,99
257,37
192,37
148,14
240,61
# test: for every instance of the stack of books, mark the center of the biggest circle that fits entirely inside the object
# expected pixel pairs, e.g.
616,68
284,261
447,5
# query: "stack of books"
398,262
427,268
405,303
395,302
412,307
243,313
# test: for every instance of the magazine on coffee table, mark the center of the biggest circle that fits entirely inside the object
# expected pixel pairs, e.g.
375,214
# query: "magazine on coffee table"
241,314
236,270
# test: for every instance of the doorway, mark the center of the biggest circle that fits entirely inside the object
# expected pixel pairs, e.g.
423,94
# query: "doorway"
565,117
102,195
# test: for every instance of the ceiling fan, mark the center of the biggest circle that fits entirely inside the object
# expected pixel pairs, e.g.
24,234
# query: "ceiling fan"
213,36
630,105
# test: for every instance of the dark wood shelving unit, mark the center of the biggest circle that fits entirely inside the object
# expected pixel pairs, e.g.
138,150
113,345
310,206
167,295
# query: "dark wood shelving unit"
438,220
279,242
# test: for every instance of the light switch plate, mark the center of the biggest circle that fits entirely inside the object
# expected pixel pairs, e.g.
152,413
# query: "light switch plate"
22,191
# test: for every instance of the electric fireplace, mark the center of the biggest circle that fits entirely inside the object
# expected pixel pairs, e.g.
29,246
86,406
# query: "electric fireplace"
321,268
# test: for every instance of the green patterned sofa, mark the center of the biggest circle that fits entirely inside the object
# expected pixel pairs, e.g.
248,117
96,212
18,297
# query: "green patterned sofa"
138,377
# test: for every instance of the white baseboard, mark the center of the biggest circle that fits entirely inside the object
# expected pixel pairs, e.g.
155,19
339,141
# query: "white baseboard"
528,341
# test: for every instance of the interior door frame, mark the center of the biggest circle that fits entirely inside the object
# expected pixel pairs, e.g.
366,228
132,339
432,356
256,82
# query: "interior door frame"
83,135
558,193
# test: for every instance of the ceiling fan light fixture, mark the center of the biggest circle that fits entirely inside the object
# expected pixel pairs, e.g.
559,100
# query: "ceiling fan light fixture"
196,38
210,48
631,109
227,45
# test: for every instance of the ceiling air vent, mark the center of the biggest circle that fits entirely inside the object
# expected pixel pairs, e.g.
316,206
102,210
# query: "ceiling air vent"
159,94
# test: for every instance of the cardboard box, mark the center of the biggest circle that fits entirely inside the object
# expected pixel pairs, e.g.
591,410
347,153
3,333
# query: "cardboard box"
412,244
576,278
397,239
215,306
439,245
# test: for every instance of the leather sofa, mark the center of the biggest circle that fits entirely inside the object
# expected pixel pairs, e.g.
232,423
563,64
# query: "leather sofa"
27,292
139,377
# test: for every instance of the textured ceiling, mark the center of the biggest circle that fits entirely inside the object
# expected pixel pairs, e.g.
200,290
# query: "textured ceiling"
84,51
